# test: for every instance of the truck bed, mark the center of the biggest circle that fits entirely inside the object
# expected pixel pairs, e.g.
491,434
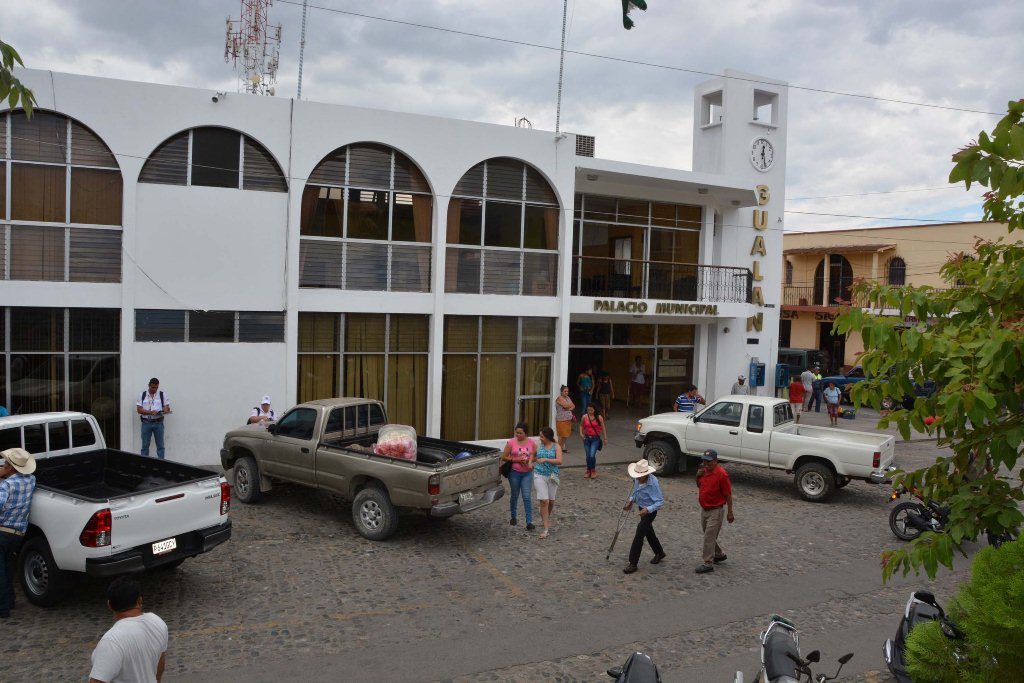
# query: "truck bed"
105,474
429,451
844,436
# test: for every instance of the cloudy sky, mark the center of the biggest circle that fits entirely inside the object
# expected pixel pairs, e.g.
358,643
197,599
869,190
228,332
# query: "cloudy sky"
965,55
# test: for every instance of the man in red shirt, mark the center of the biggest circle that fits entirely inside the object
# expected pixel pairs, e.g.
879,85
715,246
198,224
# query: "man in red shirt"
796,397
715,495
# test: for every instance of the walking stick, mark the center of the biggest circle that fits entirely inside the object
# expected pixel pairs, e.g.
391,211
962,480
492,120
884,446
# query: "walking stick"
622,522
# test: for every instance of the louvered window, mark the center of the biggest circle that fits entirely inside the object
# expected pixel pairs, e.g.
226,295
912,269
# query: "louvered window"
510,210
214,157
63,175
366,222
157,325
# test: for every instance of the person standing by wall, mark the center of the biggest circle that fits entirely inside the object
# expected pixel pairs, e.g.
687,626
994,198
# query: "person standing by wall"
796,398
807,379
714,493
521,451
135,646
263,413
637,382
16,489
648,497
585,385
564,417
593,434
546,476
152,406
816,390
832,396
739,387
605,394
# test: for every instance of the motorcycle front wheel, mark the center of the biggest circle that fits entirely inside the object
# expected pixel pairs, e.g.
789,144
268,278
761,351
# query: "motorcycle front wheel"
899,520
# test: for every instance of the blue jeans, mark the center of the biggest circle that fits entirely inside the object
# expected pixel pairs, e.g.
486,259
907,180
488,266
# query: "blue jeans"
521,481
815,400
584,402
590,445
156,430
9,544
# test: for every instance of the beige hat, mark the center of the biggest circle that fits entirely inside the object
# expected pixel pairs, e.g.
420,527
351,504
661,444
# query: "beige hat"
640,468
19,459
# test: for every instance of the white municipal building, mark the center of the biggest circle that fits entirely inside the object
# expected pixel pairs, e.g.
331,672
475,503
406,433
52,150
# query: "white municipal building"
458,271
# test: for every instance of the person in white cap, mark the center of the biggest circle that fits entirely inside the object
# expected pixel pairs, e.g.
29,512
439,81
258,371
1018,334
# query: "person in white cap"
740,387
262,413
647,495
16,491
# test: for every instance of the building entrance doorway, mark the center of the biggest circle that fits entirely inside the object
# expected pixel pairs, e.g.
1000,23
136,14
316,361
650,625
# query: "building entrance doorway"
832,344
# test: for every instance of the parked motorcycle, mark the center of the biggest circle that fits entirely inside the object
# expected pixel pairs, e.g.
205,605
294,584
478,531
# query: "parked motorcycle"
921,607
911,518
780,656
638,668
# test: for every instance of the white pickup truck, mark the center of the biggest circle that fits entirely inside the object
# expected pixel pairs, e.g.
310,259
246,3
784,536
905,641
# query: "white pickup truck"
757,430
101,512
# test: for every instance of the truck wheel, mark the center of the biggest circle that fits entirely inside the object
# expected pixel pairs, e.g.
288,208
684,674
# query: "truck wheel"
374,515
44,584
815,482
247,480
662,456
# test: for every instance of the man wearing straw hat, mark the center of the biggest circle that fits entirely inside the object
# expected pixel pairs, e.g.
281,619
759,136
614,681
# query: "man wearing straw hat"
16,491
647,495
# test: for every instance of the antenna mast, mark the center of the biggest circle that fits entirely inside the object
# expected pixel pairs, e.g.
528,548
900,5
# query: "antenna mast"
302,46
254,47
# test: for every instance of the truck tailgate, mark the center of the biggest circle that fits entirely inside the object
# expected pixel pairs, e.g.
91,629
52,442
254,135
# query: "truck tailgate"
474,474
148,518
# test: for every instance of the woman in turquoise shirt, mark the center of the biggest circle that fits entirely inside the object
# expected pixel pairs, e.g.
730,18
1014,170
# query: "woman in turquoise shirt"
546,475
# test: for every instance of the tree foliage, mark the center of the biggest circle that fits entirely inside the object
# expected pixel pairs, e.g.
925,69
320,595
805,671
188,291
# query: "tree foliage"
989,608
969,339
11,89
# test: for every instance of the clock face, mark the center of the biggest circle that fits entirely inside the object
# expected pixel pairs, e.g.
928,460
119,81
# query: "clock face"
762,154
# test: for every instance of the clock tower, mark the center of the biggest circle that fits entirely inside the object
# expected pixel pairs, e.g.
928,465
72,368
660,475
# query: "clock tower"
739,132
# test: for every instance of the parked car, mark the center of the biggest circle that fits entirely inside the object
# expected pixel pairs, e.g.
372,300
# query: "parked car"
760,431
328,445
844,380
103,512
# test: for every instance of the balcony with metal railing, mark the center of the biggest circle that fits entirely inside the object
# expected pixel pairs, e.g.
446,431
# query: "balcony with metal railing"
638,279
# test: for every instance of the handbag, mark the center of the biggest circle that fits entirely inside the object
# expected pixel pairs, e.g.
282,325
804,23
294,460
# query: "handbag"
506,468
600,443
554,479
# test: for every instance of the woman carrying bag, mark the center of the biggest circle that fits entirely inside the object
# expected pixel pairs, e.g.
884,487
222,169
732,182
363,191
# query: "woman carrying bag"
564,417
546,476
520,452
593,435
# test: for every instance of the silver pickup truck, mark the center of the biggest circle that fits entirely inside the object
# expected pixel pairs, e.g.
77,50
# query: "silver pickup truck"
327,444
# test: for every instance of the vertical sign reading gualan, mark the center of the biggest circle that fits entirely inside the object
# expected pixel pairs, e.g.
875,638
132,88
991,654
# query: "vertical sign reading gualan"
758,251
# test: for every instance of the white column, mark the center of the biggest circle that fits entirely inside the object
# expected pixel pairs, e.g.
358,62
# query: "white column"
435,361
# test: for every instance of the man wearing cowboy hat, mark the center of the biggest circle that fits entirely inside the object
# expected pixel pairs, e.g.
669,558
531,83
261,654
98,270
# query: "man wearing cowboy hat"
715,494
647,495
16,491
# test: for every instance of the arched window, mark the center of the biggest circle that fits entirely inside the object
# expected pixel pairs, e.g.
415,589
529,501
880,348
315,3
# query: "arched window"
789,273
502,231
367,217
214,157
58,175
897,271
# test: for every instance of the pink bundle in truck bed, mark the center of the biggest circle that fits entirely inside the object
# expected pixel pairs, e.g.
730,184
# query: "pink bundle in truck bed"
396,441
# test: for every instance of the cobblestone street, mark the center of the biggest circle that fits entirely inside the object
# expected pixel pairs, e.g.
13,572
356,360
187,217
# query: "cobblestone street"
474,599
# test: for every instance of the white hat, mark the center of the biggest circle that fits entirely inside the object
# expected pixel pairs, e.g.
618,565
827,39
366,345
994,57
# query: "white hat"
20,459
640,468
265,400
742,377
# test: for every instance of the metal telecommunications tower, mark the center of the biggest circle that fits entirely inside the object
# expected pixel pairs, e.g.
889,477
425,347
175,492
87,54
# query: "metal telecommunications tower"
254,47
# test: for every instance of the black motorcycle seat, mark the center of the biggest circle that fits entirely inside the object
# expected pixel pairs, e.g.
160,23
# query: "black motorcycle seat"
776,661
639,668
921,612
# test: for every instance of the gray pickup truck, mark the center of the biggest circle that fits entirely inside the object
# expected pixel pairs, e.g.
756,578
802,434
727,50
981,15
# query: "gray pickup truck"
327,444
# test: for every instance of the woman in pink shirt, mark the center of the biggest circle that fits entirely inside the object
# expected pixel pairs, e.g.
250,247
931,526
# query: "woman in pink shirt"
521,451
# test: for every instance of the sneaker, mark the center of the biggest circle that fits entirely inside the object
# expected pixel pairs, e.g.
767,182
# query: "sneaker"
657,558
629,569
593,474
704,569
721,558
512,521
530,527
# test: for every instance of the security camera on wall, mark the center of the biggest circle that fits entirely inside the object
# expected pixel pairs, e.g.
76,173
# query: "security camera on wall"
218,96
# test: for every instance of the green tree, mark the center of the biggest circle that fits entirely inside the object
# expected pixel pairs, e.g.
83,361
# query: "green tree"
989,608
969,338
11,89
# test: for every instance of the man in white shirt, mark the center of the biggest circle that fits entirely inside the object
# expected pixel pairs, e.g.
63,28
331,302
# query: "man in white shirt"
739,387
807,379
133,650
263,413
152,406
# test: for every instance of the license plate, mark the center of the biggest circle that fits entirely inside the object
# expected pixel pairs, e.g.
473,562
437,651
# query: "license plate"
466,497
161,547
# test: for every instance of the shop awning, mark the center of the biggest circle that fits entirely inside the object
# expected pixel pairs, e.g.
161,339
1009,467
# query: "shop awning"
617,178
841,249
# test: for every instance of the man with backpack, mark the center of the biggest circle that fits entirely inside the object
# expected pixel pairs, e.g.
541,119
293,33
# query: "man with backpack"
263,414
152,406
